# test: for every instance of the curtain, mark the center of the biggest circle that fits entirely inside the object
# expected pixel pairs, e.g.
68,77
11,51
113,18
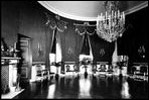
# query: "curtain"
55,54
86,50
52,53
115,54
85,30
57,26
53,48
48,34
91,51
58,48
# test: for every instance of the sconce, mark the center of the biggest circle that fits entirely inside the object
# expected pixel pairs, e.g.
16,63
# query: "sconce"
39,52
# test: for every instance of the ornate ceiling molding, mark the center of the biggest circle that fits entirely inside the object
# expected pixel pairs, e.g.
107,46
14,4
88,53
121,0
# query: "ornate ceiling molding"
82,18
56,23
136,8
66,15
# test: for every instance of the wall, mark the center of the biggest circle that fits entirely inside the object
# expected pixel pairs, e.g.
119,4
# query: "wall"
71,43
28,18
9,24
136,35
24,18
33,25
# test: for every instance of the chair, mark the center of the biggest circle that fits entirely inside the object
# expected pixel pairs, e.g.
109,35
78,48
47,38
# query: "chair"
94,69
42,72
70,68
144,71
133,70
110,70
140,72
102,68
55,70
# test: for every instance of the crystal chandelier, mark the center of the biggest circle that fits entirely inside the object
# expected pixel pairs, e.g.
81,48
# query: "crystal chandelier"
111,25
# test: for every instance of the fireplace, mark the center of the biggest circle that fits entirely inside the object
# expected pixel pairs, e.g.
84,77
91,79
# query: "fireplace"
8,74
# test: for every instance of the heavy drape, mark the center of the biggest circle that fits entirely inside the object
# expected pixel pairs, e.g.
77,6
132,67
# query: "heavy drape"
85,47
48,34
53,47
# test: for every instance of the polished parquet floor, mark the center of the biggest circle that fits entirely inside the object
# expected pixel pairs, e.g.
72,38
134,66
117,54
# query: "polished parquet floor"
85,86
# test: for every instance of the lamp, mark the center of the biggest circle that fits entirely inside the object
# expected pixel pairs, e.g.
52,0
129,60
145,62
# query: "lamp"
111,25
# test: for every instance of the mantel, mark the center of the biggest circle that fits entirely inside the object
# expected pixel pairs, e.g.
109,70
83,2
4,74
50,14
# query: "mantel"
9,73
11,58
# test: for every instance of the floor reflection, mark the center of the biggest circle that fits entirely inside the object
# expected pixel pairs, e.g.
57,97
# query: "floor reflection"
89,86
125,90
51,91
84,87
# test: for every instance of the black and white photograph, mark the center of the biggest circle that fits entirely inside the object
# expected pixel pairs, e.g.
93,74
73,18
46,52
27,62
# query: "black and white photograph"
74,49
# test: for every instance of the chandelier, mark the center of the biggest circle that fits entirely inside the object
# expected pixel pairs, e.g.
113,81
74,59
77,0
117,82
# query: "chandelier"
111,25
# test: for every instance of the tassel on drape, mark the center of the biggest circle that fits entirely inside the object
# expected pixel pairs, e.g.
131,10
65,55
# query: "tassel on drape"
56,52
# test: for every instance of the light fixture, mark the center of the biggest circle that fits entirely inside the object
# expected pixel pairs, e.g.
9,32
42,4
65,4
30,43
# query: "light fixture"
111,25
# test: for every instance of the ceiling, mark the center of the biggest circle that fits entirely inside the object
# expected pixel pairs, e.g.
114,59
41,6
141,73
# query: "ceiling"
88,10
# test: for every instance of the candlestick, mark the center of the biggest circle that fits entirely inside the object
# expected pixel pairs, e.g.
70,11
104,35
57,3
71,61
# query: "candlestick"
112,15
15,45
109,22
38,46
115,15
124,17
106,14
118,13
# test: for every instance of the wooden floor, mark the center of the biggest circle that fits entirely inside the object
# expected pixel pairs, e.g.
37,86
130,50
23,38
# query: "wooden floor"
89,86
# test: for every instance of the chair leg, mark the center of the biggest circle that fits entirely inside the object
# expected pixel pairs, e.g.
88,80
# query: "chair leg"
48,75
42,76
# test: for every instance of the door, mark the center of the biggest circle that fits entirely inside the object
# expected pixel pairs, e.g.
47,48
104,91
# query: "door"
26,55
